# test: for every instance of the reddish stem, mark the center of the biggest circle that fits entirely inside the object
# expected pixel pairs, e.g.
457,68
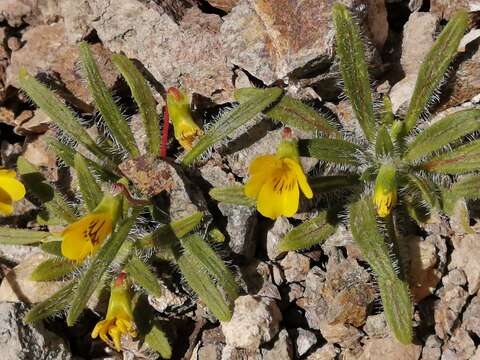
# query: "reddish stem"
163,152
120,279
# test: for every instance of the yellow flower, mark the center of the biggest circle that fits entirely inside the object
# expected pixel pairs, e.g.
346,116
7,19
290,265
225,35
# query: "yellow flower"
83,237
119,319
10,190
275,181
185,129
385,194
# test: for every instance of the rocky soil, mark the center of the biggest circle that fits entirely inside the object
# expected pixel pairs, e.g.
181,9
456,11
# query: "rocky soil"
320,304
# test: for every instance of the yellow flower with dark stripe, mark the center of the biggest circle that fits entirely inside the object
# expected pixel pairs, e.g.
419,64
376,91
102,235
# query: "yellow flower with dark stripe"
85,236
11,190
119,318
276,180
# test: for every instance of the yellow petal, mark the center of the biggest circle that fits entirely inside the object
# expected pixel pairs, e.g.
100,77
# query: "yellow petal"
301,178
115,334
290,198
6,207
7,173
84,236
254,185
264,164
269,203
13,187
97,329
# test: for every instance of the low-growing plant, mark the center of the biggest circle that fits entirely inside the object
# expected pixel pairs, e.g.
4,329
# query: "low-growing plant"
390,170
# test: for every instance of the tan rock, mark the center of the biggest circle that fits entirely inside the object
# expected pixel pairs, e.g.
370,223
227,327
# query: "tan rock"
37,152
17,286
389,348
38,123
225,5
465,257
446,8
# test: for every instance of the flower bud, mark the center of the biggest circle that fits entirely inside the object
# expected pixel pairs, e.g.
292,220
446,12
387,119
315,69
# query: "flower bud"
385,195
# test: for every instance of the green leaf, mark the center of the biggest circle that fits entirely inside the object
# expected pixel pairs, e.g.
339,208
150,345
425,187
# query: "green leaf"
387,116
36,184
144,98
383,142
67,155
204,286
452,127
150,329
99,264
21,236
394,291
291,112
90,189
105,103
467,187
310,233
325,184
52,269
59,113
464,159
232,120
143,276
53,247
52,306
434,65
195,246
353,67
330,150
167,234
426,188
232,195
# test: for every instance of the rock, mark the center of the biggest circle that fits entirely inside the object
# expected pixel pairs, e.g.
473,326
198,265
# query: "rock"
377,22
47,52
152,176
418,37
216,173
376,326
471,316
280,228
225,5
241,228
38,124
282,348
459,347
16,12
295,292
17,286
188,54
326,352
273,40
13,43
167,300
424,275
448,308
303,340
7,116
17,253
269,290
209,352
455,277
75,14
432,349
389,348
295,267
345,335
464,256
446,8
38,153
23,342
232,353
255,321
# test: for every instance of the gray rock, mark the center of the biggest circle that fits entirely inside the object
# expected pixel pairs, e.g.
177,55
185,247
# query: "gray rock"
432,349
326,352
282,348
389,348
295,267
27,342
465,256
295,292
255,321
304,340
376,326
459,347
273,39
17,253
455,277
233,353
471,316
446,8
448,308
241,228
280,228
76,15
418,37
188,54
